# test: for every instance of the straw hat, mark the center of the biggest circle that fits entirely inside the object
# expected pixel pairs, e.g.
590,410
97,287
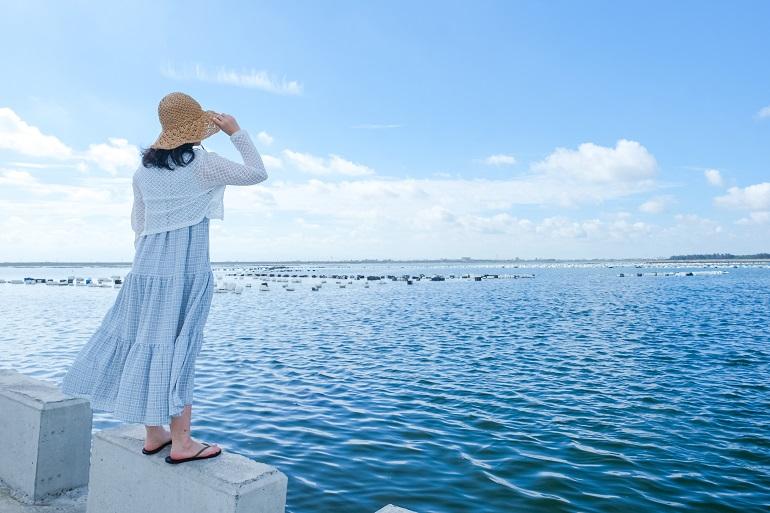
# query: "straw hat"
183,121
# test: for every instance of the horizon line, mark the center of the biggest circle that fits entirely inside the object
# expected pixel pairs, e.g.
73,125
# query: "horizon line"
716,257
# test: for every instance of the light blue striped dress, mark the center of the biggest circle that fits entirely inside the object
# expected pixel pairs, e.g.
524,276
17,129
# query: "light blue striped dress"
140,362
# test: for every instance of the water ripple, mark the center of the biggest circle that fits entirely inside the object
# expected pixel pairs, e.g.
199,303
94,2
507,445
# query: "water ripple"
576,391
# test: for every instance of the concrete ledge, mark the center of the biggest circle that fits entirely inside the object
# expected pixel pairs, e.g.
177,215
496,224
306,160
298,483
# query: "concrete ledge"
390,508
51,436
123,480
46,468
73,501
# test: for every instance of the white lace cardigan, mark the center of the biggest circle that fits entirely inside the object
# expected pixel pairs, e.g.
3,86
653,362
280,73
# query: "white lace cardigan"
170,199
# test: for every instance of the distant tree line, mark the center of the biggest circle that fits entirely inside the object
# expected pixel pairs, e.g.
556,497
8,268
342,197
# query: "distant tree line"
722,256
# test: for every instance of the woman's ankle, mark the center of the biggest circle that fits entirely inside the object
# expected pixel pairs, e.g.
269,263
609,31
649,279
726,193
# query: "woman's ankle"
155,430
182,442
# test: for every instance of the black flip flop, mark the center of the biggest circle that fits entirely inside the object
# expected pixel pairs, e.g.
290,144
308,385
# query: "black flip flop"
154,451
171,460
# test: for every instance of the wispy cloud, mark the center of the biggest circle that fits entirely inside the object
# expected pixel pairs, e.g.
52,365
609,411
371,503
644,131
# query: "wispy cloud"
265,138
253,79
334,165
759,217
376,126
46,165
656,205
500,160
764,112
714,177
271,162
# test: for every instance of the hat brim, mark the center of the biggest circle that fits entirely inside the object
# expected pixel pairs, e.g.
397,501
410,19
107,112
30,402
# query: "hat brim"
196,131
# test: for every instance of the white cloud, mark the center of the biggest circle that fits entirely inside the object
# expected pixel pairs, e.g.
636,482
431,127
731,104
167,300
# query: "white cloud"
759,217
562,227
629,161
26,182
554,227
345,167
753,197
500,160
21,137
115,155
402,199
306,162
40,165
764,112
364,215
428,218
67,225
372,217
696,224
271,162
15,178
265,138
714,177
656,205
252,78
502,223
326,166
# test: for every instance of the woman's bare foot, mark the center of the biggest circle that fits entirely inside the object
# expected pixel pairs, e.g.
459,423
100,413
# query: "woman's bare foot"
156,437
190,448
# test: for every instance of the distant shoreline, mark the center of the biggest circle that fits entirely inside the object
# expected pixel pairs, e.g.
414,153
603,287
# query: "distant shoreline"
724,258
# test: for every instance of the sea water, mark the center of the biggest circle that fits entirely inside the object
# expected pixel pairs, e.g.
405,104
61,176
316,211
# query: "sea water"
575,390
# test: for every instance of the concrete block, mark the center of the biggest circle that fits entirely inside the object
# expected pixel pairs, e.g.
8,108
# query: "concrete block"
123,480
390,508
46,438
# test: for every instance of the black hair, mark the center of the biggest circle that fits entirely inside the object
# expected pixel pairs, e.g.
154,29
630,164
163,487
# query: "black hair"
168,159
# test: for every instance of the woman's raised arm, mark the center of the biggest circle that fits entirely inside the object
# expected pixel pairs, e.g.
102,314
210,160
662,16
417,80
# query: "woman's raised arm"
217,170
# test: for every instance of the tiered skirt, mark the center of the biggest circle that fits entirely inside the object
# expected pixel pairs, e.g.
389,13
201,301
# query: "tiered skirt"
140,362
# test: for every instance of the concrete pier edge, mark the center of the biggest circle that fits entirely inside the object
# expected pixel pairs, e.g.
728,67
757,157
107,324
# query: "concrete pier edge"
390,508
125,480
57,466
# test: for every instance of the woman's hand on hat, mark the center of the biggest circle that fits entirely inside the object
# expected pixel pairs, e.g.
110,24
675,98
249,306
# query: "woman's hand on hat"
227,123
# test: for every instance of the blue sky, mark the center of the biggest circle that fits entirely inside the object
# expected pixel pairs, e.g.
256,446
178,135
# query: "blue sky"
399,129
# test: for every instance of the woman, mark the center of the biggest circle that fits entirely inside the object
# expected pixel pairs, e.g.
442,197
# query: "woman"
140,362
